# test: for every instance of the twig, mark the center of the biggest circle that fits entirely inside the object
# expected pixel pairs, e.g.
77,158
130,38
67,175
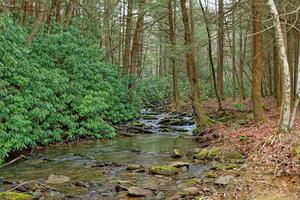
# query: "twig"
13,161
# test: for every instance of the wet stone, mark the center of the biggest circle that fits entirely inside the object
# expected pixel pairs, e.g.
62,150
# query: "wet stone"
176,154
57,179
139,192
224,180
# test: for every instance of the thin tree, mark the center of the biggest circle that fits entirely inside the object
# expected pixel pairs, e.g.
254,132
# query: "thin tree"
211,62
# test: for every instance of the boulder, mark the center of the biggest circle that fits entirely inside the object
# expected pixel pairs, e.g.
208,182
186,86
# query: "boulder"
208,153
190,191
167,170
134,167
139,192
57,179
223,180
176,154
179,164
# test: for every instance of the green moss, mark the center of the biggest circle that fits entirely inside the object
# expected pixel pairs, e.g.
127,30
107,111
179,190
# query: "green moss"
244,138
208,153
211,175
137,124
14,196
166,170
224,166
233,155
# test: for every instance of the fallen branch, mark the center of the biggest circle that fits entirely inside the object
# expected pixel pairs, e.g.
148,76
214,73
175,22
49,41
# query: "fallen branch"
13,161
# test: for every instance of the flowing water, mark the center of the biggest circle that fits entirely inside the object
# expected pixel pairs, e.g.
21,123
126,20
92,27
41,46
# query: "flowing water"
94,168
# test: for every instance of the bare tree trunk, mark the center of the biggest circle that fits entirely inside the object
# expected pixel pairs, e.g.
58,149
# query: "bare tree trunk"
172,14
233,54
257,66
126,57
37,23
297,98
136,48
220,50
285,114
200,117
210,57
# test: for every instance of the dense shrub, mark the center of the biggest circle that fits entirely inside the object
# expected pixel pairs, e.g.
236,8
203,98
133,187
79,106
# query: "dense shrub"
57,89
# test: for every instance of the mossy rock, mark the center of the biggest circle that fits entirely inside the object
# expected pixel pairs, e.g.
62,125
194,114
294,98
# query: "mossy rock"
137,124
224,166
211,175
208,153
233,155
166,170
14,196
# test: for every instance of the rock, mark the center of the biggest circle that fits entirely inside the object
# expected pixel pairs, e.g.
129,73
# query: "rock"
190,191
139,192
160,196
137,124
167,170
134,166
224,166
81,184
149,117
37,194
233,155
57,179
123,185
56,195
208,153
14,196
176,154
1,180
179,164
211,175
224,180
165,130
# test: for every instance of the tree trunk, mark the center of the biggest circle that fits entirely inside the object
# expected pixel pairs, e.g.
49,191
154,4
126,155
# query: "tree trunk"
220,49
257,66
286,95
212,68
136,48
176,94
200,117
37,23
126,56
233,54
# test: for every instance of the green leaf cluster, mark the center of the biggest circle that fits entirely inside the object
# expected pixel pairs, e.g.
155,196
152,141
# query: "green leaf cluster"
57,89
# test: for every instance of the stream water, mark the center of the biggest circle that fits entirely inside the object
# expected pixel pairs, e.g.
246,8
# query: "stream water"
94,168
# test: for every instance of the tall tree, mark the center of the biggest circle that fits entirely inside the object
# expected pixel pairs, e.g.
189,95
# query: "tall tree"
257,65
220,49
172,37
128,36
200,117
286,94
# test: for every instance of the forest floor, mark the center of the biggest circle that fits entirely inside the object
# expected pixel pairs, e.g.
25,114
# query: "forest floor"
272,169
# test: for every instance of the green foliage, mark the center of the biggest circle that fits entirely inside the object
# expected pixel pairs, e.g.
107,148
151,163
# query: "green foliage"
154,90
58,89
239,107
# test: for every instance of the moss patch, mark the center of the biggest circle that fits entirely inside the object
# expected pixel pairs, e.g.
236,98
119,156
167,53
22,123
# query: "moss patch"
164,170
14,196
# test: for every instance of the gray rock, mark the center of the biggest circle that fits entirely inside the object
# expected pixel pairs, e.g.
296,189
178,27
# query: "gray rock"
160,196
224,180
37,194
139,192
57,179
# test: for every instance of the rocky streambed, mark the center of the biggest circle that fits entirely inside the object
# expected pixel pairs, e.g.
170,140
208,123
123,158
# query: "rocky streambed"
157,158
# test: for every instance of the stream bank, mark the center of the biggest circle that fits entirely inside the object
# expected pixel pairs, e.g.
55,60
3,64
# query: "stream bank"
158,158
